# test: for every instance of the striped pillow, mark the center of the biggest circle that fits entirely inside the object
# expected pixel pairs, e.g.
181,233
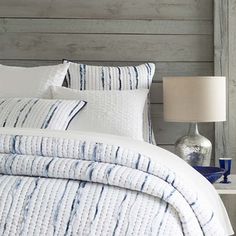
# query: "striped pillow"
38,113
87,77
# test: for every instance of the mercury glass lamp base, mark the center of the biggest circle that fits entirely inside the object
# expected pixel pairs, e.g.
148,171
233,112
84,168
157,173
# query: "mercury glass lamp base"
194,148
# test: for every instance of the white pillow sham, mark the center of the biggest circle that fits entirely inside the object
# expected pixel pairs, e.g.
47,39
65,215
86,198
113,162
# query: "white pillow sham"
38,113
111,112
30,81
89,77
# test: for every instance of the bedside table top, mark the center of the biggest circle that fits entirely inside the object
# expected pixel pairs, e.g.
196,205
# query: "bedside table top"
226,188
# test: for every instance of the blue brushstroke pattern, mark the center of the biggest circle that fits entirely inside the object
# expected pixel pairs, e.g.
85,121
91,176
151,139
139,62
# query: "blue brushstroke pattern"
119,77
13,191
103,79
81,76
74,206
56,213
130,79
51,112
144,182
119,213
136,76
8,114
127,229
26,115
84,76
47,167
137,162
96,209
68,78
27,205
117,151
109,72
21,110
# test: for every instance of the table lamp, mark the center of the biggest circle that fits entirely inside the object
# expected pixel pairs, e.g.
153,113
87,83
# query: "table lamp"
193,100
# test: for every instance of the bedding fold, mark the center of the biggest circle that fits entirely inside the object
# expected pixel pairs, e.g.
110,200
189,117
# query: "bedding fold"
79,161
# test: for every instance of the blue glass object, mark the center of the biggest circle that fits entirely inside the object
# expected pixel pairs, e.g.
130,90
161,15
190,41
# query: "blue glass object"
226,163
211,173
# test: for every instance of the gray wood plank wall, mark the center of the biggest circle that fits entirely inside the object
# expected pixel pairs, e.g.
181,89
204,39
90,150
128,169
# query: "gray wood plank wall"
176,35
225,65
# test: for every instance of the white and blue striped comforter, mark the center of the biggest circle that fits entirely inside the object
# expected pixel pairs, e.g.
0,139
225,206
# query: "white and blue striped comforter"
52,185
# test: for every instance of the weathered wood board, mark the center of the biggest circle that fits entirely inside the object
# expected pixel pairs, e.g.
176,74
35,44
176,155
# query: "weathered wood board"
176,36
225,64
107,9
101,26
162,68
110,47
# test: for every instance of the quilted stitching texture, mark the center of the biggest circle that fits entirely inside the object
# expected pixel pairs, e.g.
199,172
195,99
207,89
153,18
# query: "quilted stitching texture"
113,112
92,188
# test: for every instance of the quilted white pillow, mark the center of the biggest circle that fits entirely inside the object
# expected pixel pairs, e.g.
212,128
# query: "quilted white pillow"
30,81
89,77
112,112
38,113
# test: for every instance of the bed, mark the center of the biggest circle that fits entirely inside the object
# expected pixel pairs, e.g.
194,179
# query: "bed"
78,162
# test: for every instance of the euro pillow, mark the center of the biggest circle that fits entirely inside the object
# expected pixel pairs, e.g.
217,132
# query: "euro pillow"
88,77
30,81
38,113
111,112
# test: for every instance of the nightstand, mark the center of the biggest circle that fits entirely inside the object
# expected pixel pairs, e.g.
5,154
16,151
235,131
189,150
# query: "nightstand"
226,188
227,192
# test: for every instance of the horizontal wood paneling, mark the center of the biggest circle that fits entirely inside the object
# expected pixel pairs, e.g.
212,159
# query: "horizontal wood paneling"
169,132
119,9
176,35
183,69
162,68
86,26
157,93
106,47
156,88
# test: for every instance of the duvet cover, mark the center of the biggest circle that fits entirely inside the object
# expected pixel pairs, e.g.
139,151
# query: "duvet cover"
72,183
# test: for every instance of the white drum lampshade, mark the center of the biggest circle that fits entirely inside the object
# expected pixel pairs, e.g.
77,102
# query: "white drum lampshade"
194,99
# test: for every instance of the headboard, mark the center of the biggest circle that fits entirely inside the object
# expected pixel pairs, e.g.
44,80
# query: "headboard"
176,35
